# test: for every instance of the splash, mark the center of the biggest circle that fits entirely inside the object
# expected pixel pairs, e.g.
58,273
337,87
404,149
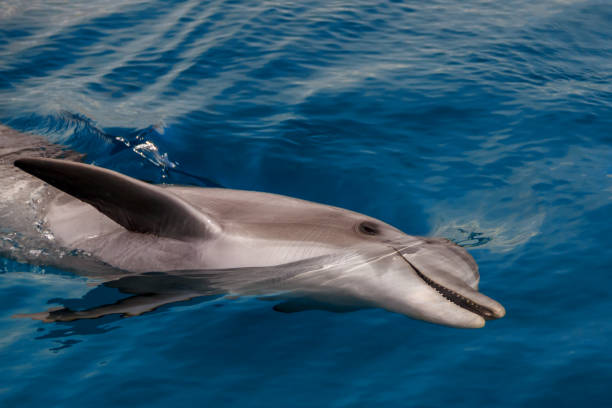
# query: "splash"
82,134
481,233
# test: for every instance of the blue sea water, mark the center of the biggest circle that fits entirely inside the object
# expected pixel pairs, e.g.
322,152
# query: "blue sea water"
489,123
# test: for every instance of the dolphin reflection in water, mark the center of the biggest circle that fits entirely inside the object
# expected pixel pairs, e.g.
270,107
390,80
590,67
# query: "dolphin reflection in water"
166,244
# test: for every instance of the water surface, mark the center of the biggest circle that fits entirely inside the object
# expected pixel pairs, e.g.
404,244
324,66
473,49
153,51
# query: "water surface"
489,123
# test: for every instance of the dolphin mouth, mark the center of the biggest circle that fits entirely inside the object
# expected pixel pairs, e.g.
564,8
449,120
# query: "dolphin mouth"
454,297
457,298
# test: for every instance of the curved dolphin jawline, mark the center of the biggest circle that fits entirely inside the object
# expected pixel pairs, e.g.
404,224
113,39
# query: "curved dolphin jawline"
206,241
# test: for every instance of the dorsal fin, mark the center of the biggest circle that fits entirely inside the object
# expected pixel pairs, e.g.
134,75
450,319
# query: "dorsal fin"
135,205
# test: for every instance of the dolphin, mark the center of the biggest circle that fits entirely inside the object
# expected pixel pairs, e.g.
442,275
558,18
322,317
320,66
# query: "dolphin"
163,244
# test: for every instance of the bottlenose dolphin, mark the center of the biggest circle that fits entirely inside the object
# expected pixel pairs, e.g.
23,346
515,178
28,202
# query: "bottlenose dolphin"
164,244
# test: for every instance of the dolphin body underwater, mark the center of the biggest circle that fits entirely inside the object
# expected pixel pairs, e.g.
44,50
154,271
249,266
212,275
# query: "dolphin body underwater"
163,244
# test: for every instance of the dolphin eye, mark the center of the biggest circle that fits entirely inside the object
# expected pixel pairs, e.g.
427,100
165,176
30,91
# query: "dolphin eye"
368,228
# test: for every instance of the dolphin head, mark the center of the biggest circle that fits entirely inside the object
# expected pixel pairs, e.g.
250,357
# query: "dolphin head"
431,279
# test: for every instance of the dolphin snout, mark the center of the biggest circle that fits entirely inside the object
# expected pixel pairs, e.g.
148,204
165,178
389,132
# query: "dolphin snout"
498,311
466,297
489,309
460,293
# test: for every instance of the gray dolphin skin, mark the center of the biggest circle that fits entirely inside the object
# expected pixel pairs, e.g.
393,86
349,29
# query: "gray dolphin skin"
163,244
